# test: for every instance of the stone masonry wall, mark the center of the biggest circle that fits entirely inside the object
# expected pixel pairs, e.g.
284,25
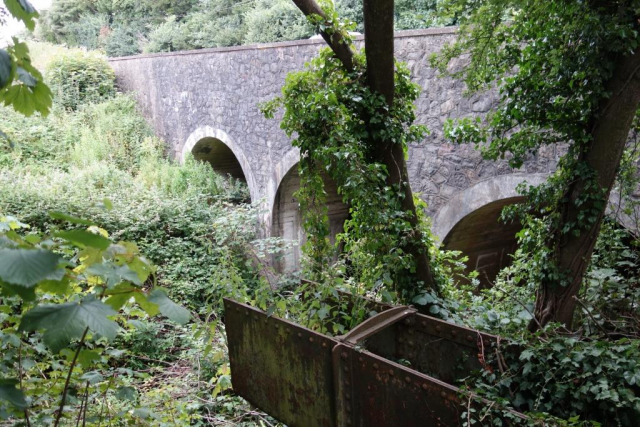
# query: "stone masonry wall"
181,92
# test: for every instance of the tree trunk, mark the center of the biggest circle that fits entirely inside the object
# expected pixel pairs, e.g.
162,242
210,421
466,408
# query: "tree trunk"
378,24
378,40
338,45
555,303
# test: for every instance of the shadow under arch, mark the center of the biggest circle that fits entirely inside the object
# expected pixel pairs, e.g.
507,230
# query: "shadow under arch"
225,156
285,219
470,223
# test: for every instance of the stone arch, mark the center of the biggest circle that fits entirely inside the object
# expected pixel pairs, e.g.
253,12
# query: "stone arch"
225,156
469,222
286,164
286,218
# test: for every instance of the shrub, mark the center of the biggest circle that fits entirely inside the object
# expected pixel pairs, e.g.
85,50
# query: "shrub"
272,21
112,131
80,78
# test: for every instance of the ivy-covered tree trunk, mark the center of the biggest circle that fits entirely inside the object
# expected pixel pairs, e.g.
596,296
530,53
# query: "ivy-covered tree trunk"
378,40
610,131
379,50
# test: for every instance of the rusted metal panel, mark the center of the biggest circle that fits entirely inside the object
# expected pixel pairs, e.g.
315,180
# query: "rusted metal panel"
376,392
436,348
281,367
396,369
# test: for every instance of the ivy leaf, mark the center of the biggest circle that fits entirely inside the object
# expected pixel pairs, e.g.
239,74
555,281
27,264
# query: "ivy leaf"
64,322
5,68
27,267
169,308
526,355
85,238
10,393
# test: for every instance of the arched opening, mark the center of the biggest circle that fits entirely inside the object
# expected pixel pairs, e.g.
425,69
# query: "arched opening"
485,239
287,218
219,156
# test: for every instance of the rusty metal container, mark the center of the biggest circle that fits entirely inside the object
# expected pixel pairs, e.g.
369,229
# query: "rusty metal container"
396,369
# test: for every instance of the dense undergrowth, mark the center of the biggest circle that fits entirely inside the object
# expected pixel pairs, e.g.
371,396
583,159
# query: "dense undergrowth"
94,157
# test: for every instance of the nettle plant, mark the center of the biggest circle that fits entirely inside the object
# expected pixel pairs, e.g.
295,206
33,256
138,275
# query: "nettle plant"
64,297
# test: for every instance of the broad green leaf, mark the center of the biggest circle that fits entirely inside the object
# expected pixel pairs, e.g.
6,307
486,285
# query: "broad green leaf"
87,357
5,68
21,98
142,267
149,307
114,274
56,287
25,77
42,97
27,267
27,294
93,377
84,238
23,11
118,300
126,393
10,393
69,218
65,322
169,308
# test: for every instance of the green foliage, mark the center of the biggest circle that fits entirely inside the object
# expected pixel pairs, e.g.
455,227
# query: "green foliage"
21,84
123,40
584,378
80,78
125,27
271,21
64,280
80,163
551,63
324,109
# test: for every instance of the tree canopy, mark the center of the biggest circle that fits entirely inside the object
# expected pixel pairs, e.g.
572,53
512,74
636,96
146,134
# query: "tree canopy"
567,74
128,27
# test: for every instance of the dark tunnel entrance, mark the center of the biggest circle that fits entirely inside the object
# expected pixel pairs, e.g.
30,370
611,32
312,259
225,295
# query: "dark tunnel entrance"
219,156
287,218
485,239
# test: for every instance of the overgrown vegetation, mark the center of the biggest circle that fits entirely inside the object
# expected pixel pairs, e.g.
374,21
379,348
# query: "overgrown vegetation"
95,157
559,374
83,329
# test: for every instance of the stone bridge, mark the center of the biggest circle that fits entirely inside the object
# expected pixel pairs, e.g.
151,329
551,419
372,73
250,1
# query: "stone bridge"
205,102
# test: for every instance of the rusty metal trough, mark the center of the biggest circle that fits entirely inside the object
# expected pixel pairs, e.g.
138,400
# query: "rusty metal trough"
395,369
